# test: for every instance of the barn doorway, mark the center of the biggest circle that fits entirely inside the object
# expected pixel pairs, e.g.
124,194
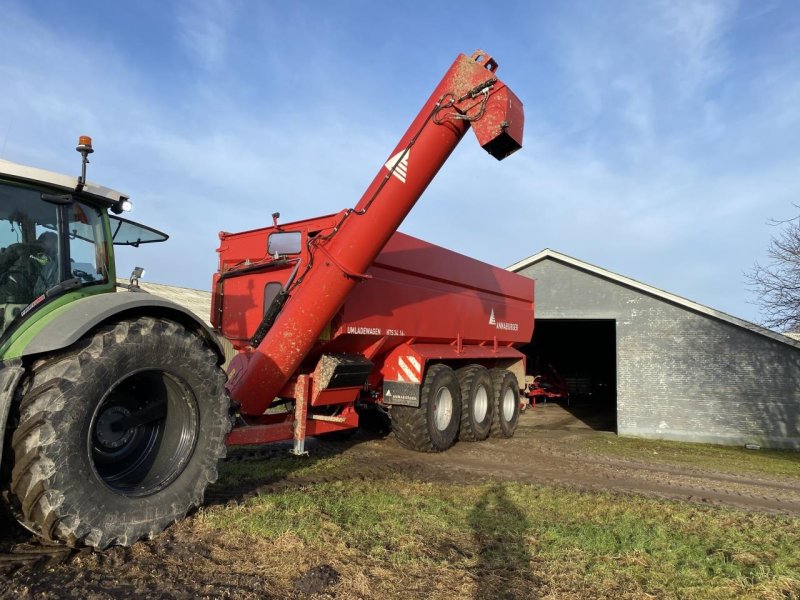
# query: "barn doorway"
581,356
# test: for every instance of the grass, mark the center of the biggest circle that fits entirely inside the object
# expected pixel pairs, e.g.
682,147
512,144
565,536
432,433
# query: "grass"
259,472
727,459
394,538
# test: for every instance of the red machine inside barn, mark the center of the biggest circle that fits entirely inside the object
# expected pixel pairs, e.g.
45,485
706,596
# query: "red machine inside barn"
341,310
546,384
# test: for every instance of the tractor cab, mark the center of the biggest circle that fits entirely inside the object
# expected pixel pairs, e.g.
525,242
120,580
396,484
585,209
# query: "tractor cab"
42,245
56,235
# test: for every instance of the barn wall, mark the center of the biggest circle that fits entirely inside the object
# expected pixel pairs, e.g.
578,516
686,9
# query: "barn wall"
682,375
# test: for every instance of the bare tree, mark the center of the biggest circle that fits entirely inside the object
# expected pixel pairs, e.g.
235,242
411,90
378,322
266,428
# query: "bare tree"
777,284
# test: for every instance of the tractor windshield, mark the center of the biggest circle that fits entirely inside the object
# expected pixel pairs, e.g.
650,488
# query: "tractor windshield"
43,244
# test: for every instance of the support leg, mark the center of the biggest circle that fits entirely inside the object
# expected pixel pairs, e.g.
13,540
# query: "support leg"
300,414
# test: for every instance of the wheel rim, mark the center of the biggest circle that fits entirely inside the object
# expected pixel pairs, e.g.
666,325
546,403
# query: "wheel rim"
143,433
509,402
480,404
443,409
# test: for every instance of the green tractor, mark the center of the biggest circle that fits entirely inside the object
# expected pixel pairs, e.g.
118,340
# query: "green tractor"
113,409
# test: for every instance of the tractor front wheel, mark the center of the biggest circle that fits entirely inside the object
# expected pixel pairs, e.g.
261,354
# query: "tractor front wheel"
119,436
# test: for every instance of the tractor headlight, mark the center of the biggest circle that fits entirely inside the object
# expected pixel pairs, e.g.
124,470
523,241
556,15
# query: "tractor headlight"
121,205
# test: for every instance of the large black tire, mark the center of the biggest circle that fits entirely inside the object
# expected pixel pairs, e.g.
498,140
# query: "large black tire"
477,403
119,436
433,426
506,407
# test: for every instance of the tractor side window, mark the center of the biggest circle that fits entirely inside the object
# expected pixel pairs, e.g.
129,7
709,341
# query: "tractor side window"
86,247
28,249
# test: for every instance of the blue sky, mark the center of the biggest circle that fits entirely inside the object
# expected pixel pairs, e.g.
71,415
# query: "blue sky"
660,136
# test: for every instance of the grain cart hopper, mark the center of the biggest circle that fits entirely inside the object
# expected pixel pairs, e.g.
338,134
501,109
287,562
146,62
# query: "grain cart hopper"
341,310
113,405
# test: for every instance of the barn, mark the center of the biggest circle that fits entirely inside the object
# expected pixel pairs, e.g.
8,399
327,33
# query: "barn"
656,365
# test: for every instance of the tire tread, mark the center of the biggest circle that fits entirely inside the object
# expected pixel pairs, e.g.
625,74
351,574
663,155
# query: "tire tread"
500,429
466,379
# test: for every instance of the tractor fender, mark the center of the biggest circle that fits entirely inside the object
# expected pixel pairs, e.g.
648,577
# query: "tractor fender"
87,313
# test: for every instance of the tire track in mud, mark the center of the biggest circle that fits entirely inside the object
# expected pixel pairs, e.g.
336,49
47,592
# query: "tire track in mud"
523,459
490,460
35,554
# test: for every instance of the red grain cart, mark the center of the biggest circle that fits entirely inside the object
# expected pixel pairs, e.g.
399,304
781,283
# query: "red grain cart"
339,310
429,334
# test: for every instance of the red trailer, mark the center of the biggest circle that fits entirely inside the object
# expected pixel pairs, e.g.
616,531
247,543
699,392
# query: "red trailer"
339,310
420,309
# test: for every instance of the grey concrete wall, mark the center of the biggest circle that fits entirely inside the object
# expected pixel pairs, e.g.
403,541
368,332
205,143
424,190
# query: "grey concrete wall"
681,374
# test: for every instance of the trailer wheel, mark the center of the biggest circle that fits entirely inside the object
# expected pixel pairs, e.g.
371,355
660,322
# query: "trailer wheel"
433,426
477,402
119,436
506,403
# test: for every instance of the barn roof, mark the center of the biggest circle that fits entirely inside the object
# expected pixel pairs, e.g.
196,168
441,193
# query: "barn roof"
548,254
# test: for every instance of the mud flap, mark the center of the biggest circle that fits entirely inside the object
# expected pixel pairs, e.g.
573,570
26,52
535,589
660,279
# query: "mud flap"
401,393
10,374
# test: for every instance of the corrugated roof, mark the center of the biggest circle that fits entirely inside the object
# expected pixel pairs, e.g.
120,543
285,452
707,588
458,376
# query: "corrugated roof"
547,253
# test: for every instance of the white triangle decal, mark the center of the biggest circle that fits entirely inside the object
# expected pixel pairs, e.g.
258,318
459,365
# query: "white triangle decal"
491,319
388,393
401,171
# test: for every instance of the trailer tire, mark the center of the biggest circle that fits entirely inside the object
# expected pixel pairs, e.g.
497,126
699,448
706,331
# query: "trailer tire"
477,403
433,427
120,435
506,407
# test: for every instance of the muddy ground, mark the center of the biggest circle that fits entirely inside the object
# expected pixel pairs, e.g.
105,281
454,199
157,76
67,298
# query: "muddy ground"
181,563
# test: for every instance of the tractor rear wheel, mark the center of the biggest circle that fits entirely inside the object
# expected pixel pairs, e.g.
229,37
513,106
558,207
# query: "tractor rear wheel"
506,403
119,436
433,426
477,402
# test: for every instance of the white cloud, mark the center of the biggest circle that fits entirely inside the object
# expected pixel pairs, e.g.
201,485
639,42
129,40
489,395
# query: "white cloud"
696,30
204,30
